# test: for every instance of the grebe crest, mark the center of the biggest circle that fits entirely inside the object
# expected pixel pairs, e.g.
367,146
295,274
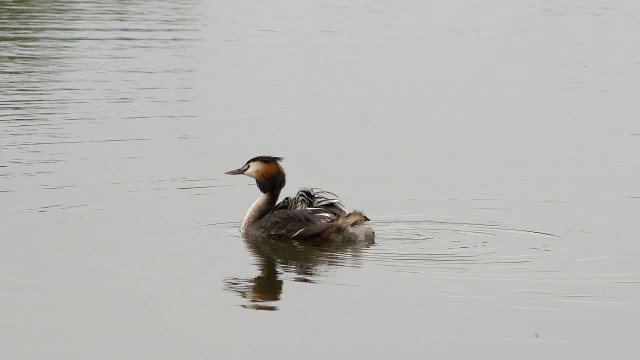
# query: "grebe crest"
313,214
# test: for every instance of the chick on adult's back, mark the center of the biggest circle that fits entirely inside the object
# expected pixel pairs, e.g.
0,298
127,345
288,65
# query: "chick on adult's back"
313,214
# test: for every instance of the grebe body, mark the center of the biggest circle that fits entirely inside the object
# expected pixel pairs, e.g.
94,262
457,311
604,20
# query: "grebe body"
312,215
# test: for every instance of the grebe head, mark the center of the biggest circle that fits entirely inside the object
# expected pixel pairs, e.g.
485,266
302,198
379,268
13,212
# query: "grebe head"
266,170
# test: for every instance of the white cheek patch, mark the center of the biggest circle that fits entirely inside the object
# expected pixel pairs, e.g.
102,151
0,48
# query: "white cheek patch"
253,169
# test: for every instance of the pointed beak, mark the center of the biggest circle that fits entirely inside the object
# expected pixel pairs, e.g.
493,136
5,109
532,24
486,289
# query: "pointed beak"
235,172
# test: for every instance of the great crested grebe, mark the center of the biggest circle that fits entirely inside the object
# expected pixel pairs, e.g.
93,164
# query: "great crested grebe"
313,214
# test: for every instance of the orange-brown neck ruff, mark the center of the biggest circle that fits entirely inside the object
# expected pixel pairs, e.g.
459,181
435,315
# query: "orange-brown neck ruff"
271,177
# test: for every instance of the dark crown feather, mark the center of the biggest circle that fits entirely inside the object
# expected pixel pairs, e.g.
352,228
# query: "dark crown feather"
266,159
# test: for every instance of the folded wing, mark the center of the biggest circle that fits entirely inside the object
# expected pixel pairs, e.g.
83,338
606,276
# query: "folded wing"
306,215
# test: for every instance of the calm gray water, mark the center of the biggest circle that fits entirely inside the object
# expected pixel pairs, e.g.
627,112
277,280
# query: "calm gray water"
495,146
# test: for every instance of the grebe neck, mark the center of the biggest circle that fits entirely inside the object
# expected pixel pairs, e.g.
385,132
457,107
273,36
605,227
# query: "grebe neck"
260,208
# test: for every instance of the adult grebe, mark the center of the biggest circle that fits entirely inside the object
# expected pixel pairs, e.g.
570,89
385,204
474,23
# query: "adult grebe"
313,214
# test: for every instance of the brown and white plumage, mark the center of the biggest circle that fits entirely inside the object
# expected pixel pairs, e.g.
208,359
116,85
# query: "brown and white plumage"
312,214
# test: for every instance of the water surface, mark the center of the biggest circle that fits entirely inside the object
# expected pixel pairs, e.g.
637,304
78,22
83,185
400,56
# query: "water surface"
494,146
